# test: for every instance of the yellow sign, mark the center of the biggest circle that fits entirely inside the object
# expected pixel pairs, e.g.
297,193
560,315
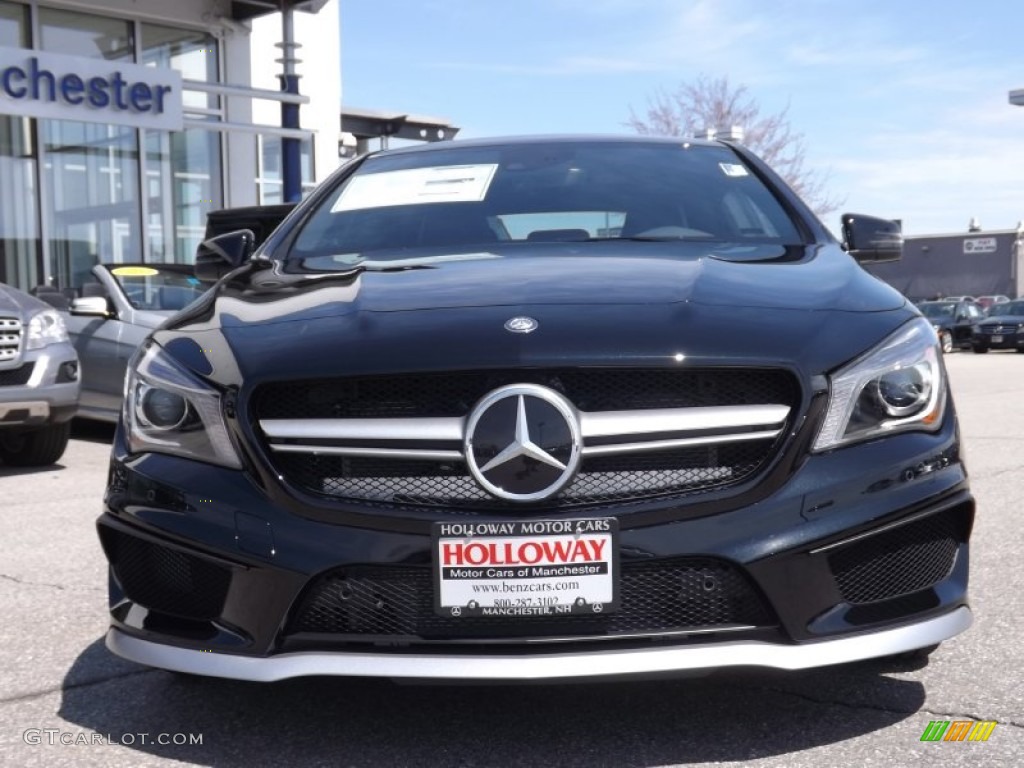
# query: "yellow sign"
135,271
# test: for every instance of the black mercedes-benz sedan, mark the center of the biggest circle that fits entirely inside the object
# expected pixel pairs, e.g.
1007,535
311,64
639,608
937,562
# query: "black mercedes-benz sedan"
1002,329
543,408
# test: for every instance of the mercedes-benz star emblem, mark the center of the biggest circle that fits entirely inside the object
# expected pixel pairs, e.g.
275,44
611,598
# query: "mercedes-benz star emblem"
523,442
521,325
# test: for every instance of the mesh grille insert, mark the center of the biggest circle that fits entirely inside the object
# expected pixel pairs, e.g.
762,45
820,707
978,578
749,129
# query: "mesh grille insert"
167,580
899,561
600,481
17,376
454,394
658,596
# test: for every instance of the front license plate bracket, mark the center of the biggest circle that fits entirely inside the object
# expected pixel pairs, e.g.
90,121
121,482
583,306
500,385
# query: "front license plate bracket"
526,568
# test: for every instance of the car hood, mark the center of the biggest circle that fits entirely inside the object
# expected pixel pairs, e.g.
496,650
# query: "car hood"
1002,320
810,308
19,302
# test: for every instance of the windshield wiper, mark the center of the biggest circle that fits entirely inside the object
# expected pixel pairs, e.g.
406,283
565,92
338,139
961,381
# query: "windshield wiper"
665,238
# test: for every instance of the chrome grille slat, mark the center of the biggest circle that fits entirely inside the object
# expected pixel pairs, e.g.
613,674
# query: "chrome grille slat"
745,422
11,331
365,429
392,453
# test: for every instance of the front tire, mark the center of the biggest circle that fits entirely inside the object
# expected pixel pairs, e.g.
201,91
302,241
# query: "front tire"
918,654
980,350
35,447
908,660
946,340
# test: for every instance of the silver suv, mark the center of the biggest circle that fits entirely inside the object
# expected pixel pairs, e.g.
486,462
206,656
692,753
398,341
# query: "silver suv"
39,380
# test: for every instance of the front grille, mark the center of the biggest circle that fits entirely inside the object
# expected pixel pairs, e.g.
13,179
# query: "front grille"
899,561
17,376
367,603
1000,329
619,478
454,394
897,607
601,480
10,339
165,579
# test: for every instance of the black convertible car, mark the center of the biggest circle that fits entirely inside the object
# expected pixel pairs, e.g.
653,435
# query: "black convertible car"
539,409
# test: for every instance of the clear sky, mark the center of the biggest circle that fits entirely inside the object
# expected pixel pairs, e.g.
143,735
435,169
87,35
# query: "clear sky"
903,103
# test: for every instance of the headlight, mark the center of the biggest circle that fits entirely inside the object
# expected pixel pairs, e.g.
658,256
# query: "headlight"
45,328
167,409
895,387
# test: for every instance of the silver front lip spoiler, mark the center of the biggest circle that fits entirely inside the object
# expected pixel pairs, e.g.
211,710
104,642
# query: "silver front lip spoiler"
546,666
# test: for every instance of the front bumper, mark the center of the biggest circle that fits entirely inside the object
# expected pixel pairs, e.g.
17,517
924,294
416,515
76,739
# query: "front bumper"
1009,340
43,389
861,552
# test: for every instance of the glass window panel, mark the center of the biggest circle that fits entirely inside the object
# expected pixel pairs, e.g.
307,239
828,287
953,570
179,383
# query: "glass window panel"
183,184
92,199
193,53
183,170
81,34
13,25
269,182
19,215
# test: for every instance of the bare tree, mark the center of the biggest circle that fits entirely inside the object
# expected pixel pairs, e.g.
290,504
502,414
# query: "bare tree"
714,103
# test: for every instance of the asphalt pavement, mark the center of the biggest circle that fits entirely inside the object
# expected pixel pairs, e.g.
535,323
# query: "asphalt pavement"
65,700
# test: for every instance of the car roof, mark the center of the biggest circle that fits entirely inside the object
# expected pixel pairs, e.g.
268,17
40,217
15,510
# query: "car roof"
505,141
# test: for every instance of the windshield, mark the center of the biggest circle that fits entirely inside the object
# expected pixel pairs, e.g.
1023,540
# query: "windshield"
475,198
938,309
157,287
1008,308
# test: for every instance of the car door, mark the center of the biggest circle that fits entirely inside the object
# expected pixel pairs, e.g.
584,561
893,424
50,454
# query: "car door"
98,340
967,315
975,314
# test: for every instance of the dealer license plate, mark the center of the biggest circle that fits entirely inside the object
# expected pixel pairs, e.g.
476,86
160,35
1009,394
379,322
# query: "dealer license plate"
997,339
525,568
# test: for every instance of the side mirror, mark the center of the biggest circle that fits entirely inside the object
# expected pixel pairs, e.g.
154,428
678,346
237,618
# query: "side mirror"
91,306
221,254
870,240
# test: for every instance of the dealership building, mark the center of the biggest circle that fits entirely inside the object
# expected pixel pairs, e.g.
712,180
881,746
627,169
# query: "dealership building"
972,263
123,123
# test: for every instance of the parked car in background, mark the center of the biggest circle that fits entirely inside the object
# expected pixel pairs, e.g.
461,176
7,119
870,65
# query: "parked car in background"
39,380
541,408
954,321
986,302
111,317
1002,329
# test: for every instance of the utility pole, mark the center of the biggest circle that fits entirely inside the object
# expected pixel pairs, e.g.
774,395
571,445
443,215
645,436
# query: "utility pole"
291,150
